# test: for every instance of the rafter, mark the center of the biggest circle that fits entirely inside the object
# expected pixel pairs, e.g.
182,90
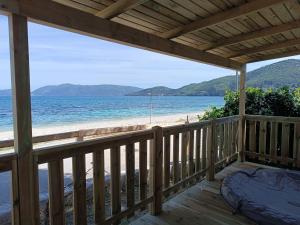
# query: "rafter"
118,7
252,6
64,17
256,34
284,44
275,56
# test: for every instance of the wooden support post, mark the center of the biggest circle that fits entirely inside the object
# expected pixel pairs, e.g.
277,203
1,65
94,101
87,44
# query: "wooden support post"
242,111
27,171
210,174
157,171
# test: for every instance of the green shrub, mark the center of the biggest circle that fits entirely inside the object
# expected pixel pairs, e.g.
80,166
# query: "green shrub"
272,102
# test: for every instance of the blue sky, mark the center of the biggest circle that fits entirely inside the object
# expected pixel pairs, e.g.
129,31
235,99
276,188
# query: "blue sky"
58,57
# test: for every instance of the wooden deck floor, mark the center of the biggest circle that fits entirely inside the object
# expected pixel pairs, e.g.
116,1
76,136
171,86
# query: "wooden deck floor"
201,204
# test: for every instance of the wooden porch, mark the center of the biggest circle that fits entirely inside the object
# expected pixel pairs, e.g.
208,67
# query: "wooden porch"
227,33
201,204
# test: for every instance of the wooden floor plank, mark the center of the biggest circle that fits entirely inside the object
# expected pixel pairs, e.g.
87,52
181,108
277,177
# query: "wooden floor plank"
201,204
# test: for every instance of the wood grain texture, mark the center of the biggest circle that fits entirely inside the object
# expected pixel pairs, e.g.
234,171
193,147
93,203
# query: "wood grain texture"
115,181
19,58
99,186
56,193
143,170
167,161
79,190
242,109
130,172
156,168
201,204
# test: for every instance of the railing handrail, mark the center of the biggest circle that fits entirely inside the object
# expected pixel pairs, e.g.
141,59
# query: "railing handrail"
187,126
272,118
62,151
76,134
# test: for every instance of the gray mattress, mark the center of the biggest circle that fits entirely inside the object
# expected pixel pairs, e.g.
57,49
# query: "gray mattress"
267,196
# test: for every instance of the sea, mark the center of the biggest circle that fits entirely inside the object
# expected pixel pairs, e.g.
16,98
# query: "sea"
50,111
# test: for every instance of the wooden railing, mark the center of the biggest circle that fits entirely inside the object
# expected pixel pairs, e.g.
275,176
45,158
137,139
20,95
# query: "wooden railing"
78,135
179,156
273,140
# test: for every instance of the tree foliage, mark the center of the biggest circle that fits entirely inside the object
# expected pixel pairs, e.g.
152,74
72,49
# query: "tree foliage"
282,101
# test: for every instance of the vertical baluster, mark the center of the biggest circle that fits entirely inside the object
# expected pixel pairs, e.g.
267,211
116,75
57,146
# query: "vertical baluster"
99,186
198,149
210,151
167,161
15,194
273,141
297,144
176,158
56,193
79,190
226,141
130,160
143,170
230,139
285,143
156,168
221,148
252,138
204,147
184,145
191,152
115,181
235,137
262,139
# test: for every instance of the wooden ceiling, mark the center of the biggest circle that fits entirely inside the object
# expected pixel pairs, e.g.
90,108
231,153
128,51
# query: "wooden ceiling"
242,30
226,33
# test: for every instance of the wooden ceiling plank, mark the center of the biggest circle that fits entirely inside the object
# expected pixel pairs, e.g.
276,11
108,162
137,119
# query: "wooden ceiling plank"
57,15
118,7
275,56
280,45
223,16
256,34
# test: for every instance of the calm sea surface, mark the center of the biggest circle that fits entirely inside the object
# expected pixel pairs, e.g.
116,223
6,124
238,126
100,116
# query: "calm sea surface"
47,111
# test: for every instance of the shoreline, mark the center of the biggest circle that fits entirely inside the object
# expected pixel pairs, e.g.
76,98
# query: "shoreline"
162,120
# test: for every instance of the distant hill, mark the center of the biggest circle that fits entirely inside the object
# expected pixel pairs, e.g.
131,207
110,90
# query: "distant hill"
284,73
6,92
84,90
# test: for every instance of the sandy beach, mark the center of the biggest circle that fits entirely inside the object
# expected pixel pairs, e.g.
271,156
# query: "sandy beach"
162,120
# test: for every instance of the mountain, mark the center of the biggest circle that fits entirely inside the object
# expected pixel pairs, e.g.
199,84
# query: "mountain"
84,90
284,73
156,91
6,92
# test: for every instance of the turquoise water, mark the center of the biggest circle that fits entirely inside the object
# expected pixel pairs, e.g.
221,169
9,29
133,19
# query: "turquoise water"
47,111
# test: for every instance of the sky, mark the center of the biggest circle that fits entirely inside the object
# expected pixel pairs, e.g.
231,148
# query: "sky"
58,57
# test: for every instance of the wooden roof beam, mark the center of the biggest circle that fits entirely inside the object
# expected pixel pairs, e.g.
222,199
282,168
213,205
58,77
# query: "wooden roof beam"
275,56
249,7
284,44
118,7
74,20
256,34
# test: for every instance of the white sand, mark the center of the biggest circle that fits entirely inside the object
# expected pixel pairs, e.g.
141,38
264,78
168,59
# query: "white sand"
156,120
